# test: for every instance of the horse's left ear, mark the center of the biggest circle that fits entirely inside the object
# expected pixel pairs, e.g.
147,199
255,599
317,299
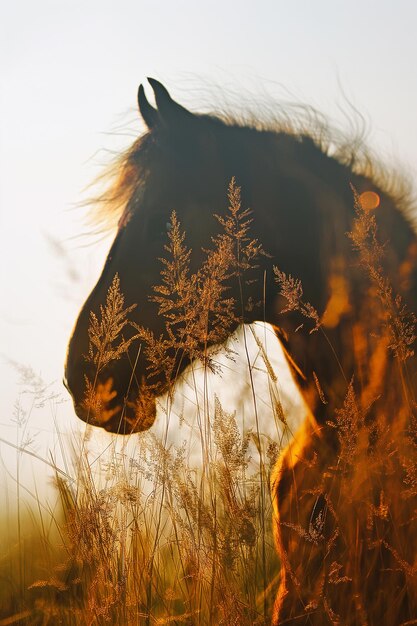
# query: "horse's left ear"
168,112
149,114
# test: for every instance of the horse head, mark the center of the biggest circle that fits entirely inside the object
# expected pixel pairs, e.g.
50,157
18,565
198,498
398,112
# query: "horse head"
303,207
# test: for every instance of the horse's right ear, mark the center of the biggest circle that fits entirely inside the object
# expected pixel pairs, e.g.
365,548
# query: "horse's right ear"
168,112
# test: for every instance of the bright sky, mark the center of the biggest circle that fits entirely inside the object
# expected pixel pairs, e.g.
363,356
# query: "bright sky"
69,75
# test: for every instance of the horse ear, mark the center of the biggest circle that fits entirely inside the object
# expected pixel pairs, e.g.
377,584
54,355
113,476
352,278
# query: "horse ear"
170,112
149,114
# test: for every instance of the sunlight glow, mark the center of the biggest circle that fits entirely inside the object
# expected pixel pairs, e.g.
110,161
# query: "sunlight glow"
369,200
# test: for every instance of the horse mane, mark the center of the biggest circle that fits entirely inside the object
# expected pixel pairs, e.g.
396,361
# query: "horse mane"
127,170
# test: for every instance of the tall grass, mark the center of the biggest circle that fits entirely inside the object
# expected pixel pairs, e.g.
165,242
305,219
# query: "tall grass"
146,537
149,537
154,536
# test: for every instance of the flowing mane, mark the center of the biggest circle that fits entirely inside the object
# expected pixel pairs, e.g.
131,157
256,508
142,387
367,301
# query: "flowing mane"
302,122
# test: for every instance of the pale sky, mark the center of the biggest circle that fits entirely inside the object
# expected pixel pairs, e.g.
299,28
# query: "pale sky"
69,76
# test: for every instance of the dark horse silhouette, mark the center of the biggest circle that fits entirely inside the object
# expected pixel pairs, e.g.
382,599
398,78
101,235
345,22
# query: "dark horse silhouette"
344,491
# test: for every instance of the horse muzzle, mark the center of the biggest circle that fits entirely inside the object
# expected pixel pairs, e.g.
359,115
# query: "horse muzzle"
98,401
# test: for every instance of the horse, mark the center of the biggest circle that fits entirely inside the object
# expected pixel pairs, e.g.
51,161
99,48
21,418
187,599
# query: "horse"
339,300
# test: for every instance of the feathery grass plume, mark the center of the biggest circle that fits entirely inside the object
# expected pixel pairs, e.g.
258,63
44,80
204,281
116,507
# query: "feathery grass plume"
106,344
348,422
104,332
292,290
236,224
232,447
400,322
195,306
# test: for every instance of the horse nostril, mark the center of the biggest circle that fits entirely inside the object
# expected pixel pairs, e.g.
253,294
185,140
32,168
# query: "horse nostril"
75,377
81,412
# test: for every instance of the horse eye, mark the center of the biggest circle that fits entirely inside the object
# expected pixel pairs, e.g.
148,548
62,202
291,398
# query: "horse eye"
158,227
